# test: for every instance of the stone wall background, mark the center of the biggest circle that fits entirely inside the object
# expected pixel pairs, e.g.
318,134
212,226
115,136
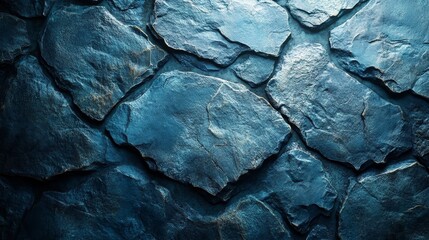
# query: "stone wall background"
221,119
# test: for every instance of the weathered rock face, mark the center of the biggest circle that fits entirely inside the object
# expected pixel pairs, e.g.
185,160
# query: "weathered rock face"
254,69
38,128
14,38
25,8
392,204
220,30
14,202
198,130
384,41
98,59
97,209
315,14
297,185
326,103
103,136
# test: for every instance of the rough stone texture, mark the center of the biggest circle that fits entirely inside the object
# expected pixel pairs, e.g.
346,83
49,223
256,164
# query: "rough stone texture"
326,103
92,146
39,129
25,8
13,38
392,204
316,13
197,129
14,202
220,30
98,59
97,209
297,185
254,69
384,41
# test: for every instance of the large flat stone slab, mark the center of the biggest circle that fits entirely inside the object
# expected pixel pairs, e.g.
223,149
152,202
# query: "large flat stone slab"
200,130
40,136
221,30
97,58
335,113
388,40
392,204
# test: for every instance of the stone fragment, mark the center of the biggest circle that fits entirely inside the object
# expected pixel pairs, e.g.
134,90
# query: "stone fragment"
335,113
387,40
40,136
98,59
220,30
254,69
391,205
14,203
295,184
200,130
13,38
251,219
316,14
25,8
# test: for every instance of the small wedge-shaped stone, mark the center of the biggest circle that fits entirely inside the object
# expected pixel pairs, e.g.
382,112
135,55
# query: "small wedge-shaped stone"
337,115
318,13
13,37
220,30
391,205
96,58
200,130
40,136
388,40
254,69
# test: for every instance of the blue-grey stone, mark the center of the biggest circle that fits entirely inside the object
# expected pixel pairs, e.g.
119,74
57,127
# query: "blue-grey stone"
14,38
97,59
393,204
221,30
124,203
251,219
388,40
200,130
316,13
40,136
15,201
254,69
319,232
25,8
295,184
336,114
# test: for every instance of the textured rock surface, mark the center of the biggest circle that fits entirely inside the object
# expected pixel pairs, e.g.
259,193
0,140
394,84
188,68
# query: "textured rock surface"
98,59
197,129
284,183
384,41
14,202
392,204
326,103
14,38
254,69
25,8
316,13
39,129
220,30
103,136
